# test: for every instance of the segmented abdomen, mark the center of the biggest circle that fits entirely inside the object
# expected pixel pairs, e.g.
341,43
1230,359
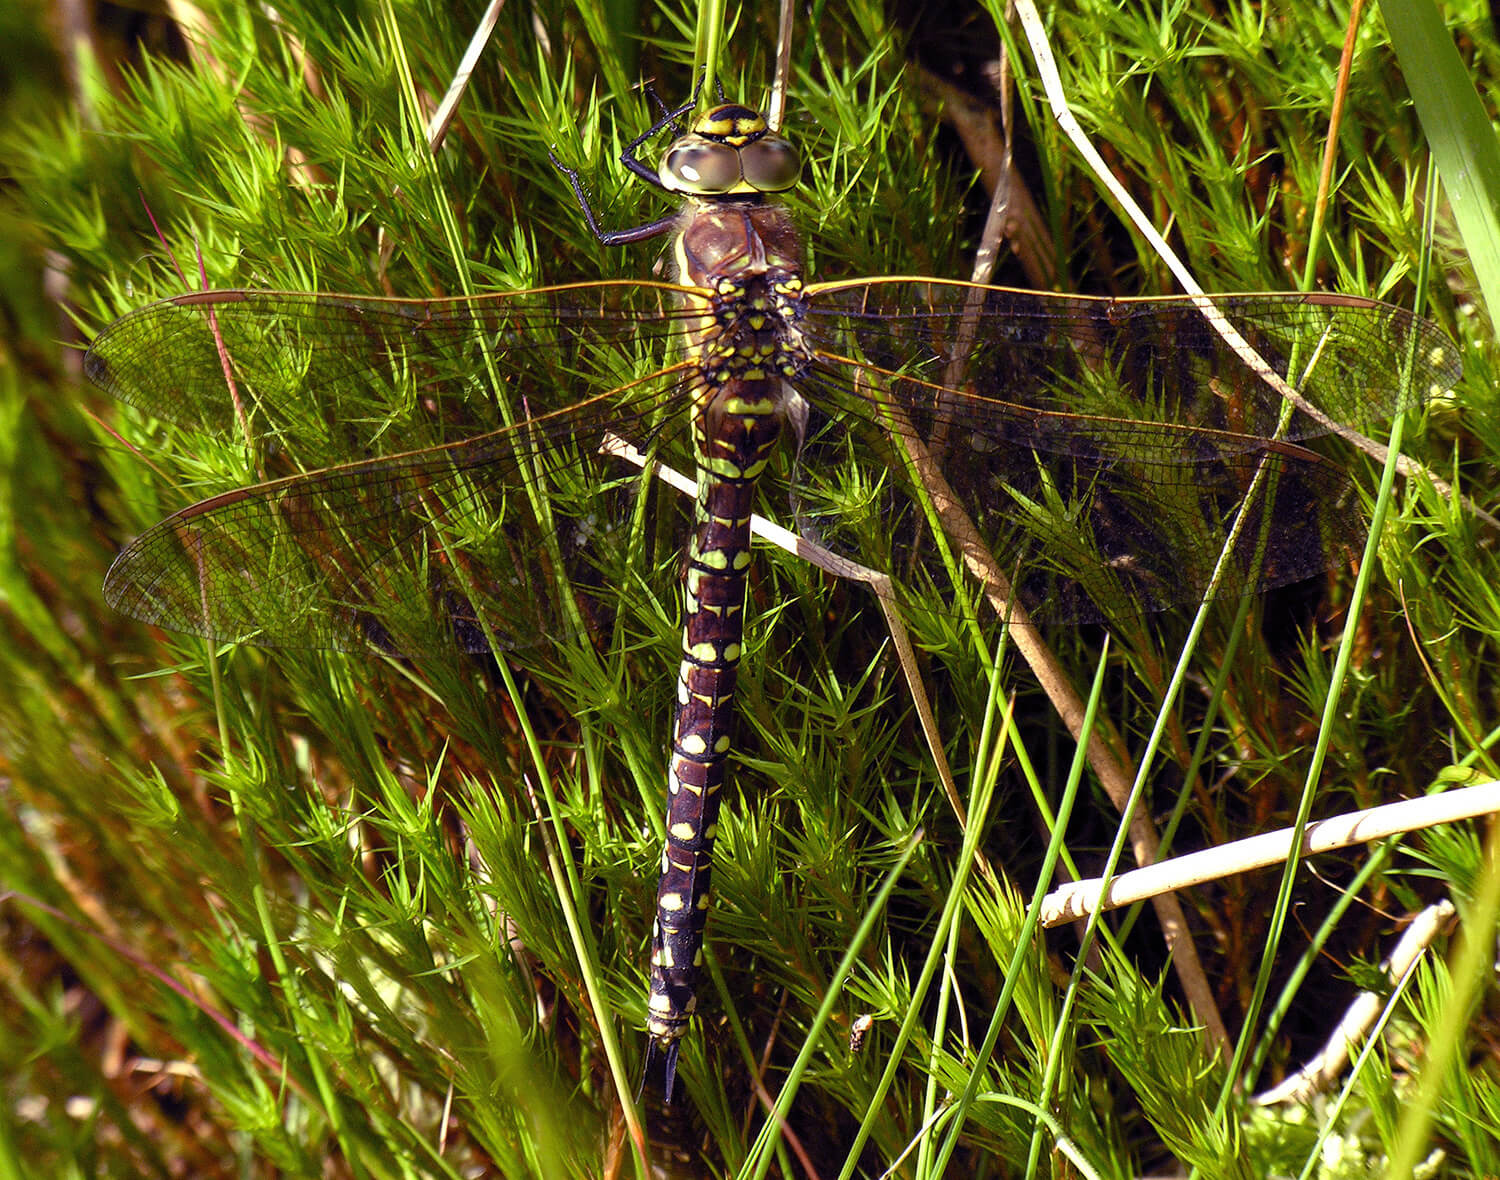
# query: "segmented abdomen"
718,557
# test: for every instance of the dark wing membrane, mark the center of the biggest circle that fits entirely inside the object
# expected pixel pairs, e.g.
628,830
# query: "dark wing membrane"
1093,515
1081,538
512,535
1038,360
331,377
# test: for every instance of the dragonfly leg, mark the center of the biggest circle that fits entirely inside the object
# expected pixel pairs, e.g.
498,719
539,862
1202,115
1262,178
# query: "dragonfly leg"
611,237
665,113
669,118
655,99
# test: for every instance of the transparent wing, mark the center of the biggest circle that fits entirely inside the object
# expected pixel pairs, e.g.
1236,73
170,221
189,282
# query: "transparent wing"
482,495
334,377
510,536
1033,365
1103,449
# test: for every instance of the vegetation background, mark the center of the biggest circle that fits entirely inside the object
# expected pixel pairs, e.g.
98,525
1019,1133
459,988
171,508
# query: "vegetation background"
270,914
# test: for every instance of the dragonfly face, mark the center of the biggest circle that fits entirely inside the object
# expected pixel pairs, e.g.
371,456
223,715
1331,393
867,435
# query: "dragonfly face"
1123,454
730,151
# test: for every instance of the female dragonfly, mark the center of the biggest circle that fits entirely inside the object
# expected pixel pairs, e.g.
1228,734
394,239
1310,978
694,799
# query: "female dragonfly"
1107,450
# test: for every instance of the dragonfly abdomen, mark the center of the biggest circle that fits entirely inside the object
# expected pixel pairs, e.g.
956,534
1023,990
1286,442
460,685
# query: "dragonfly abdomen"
745,426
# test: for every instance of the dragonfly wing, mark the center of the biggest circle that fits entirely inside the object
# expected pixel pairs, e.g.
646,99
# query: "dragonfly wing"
1090,514
1082,537
330,377
1035,361
504,537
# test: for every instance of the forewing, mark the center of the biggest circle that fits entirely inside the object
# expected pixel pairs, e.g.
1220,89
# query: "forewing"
334,377
1031,362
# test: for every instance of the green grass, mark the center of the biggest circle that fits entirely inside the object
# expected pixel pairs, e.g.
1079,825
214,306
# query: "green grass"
343,857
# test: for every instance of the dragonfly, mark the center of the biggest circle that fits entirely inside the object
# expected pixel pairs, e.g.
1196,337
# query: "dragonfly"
443,474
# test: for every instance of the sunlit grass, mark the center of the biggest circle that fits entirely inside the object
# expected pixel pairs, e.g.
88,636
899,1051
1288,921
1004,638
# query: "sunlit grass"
345,855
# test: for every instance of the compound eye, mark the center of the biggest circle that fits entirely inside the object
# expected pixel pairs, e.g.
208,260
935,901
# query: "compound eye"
700,167
771,164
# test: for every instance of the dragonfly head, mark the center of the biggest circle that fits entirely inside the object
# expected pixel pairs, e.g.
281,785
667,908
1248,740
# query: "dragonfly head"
730,151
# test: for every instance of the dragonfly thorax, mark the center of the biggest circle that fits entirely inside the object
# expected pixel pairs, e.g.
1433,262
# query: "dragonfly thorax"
746,264
757,326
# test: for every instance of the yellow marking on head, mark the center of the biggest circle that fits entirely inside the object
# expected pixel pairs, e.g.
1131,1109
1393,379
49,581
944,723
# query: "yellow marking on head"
730,120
